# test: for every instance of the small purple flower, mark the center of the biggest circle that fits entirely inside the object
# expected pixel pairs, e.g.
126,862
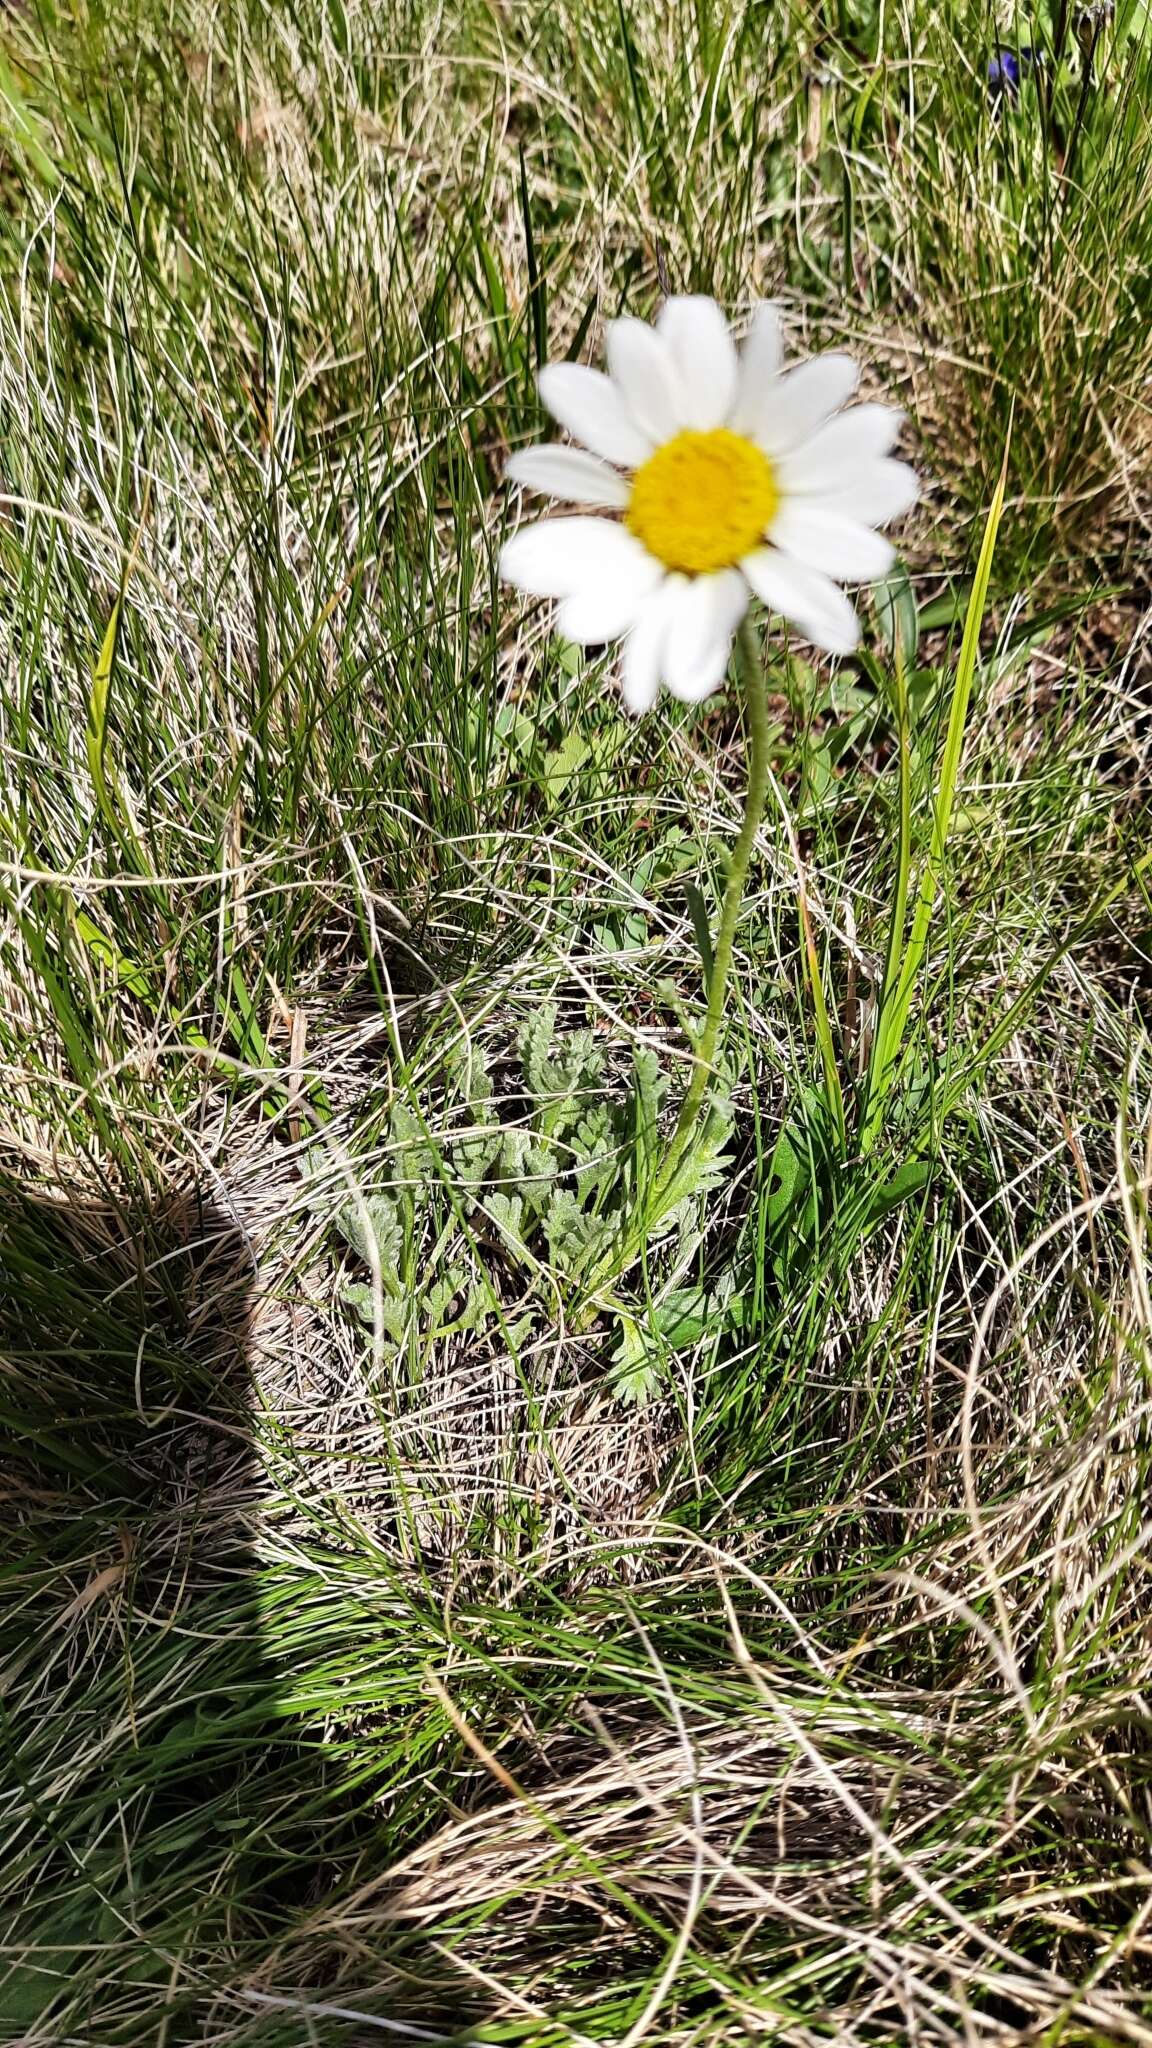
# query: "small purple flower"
1006,69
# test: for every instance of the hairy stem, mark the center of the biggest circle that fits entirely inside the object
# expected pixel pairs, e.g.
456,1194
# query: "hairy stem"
750,666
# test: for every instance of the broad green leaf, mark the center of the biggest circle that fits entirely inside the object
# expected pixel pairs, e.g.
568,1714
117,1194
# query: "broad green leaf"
698,912
684,1315
563,763
909,1180
896,612
946,610
789,1179
124,970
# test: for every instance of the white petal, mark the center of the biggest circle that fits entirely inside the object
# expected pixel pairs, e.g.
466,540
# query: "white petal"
806,529
874,493
704,614
640,679
760,360
707,676
559,557
803,399
646,377
605,609
567,473
705,357
589,405
862,435
803,595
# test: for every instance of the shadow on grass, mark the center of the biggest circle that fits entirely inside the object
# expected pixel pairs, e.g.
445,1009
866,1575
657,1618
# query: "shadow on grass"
137,1709
178,1834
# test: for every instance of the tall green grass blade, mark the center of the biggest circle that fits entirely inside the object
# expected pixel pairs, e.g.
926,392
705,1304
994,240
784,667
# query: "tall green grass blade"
904,962
96,728
25,131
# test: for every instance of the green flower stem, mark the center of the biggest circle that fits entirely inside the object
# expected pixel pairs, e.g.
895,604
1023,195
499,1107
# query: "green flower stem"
750,667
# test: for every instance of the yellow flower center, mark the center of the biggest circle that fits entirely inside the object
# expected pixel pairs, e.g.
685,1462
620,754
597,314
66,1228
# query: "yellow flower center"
702,501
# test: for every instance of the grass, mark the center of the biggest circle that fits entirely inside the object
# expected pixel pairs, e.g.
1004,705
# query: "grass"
428,1616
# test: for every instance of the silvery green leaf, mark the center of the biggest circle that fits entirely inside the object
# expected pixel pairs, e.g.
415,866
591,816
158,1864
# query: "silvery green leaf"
375,1222
507,1213
636,1366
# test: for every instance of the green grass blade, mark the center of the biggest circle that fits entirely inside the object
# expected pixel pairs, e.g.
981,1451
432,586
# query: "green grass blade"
96,729
896,1001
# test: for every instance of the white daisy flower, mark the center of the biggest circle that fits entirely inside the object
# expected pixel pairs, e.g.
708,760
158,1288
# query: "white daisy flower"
733,478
